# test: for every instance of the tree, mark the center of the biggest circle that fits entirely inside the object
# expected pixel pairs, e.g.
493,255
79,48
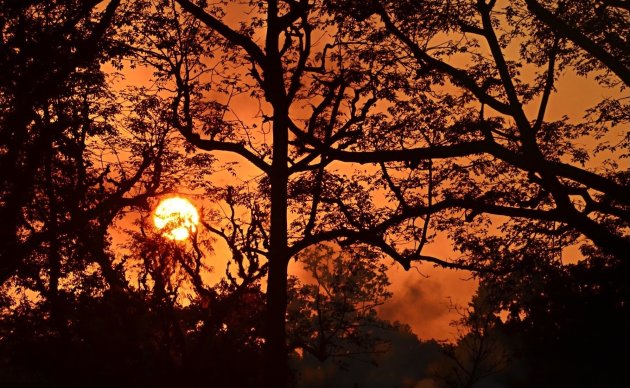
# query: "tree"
450,147
283,75
482,350
61,185
204,331
372,124
47,51
76,153
401,360
564,322
111,151
541,158
544,190
334,314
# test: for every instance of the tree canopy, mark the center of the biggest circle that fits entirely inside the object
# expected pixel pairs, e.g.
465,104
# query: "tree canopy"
371,128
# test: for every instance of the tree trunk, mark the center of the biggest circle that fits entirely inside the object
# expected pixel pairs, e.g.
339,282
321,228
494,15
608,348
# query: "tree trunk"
276,368
276,362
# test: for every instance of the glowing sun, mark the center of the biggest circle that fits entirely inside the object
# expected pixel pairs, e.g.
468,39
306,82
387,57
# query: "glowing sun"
176,217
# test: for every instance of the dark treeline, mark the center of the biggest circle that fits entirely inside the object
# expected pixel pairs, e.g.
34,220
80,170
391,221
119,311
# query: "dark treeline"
357,132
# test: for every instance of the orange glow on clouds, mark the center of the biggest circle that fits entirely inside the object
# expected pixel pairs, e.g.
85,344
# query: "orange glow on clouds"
176,217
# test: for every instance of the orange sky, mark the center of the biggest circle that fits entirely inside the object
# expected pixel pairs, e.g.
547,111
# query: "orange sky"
424,296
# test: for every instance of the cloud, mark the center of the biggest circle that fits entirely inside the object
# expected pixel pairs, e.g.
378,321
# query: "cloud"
424,298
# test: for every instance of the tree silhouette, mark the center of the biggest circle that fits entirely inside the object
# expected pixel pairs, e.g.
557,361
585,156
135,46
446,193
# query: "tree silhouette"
72,157
481,351
334,315
47,52
564,321
448,146
77,152
288,167
381,127
542,159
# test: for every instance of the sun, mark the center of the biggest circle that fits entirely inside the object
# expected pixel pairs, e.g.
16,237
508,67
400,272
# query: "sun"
176,217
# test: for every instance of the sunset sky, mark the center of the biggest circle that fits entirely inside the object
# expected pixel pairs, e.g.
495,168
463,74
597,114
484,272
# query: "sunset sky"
427,297
315,193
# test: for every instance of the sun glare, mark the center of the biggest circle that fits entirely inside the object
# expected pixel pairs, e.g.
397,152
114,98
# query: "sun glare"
176,217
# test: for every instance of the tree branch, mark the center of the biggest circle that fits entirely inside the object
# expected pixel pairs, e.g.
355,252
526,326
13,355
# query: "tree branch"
232,36
573,34
544,101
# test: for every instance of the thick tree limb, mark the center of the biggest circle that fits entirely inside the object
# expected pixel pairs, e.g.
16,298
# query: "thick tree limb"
232,36
457,75
573,34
